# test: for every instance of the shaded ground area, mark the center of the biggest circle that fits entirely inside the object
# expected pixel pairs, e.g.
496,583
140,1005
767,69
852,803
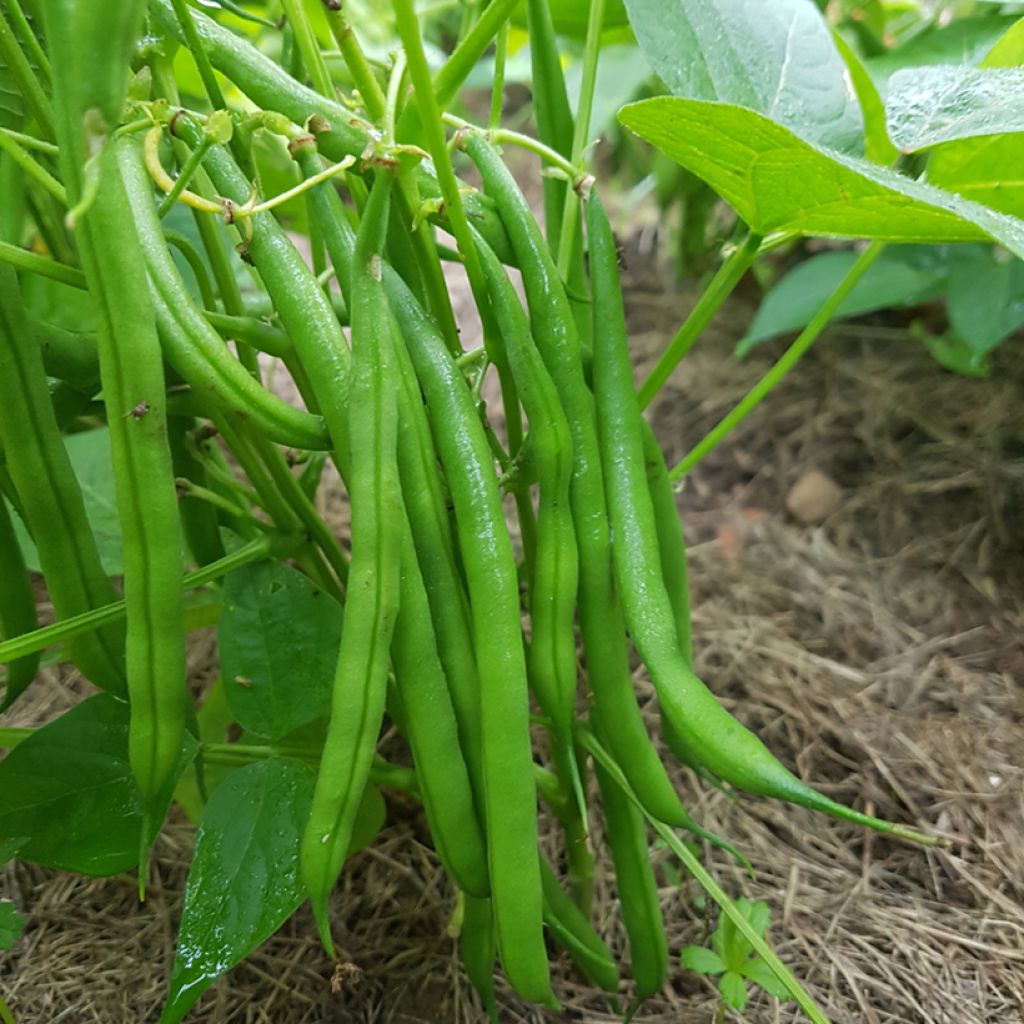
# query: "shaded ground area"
878,651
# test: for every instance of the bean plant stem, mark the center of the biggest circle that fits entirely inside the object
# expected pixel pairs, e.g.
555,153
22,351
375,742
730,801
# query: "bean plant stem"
25,78
720,288
581,132
308,48
33,168
195,47
24,29
786,362
39,639
470,49
355,60
498,84
42,265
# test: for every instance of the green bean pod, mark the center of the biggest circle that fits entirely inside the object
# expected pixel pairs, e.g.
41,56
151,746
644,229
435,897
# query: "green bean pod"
432,731
555,577
199,519
717,740
421,488
626,834
192,346
570,927
50,496
17,607
479,950
509,789
305,312
615,713
360,686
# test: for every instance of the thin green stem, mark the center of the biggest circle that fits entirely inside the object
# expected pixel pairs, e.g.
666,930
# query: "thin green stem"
25,78
33,168
581,133
391,101
29,38
196,265
30,141
195,158
706,882
195,47
41,265
786,362
464,57
355,60
499,136
38,639
498,84
308,48
720,288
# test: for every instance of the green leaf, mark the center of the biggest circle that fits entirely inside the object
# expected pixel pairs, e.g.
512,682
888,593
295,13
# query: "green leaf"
776,59
622,72
877,144
777,182
901,276
734,990
1009,50
986,170
214,718
701,960
758,913
89,452
763,976
12,924
986,302
244,880
278,637
69,789
928,106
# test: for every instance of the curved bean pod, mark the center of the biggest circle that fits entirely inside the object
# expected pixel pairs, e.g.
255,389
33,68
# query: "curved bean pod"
509,789
717,740
615,711
360,686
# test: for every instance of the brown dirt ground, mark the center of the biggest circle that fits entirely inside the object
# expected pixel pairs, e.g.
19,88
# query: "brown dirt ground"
879,652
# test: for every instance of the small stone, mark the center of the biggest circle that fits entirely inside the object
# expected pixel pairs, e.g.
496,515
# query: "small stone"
814,497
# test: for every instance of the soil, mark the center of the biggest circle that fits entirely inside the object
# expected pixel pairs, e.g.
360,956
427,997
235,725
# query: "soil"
878,649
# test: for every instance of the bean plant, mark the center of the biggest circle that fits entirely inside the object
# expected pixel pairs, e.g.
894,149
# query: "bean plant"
159,165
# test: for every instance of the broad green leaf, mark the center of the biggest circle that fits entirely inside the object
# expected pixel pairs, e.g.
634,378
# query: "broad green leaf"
69,789
701,960
244,880
763,976
777,59
901,276
12,924
734,990
877,144
963,41
778,182
986,170
570,16
89,452
928,106
278,637
214,719
1009,50
986,303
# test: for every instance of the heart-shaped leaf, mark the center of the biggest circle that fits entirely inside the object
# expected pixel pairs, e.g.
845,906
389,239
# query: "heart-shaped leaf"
69,790
776,58
928,106
278,638
778,182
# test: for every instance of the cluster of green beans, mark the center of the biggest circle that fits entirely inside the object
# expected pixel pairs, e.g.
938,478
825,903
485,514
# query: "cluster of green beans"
458,612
